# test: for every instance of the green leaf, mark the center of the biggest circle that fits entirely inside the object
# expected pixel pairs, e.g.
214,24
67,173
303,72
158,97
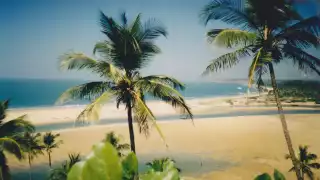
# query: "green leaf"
102,164
97,168
232,37
92,111
130,166
109,154
264,176
171,174
76,171
278,175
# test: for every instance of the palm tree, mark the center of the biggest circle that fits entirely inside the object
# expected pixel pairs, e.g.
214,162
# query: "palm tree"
128,48
61,173
9,131
114,140
50,143
270,32
306,161
32,146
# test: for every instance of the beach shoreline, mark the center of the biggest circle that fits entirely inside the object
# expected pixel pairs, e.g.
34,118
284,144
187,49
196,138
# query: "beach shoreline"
210,105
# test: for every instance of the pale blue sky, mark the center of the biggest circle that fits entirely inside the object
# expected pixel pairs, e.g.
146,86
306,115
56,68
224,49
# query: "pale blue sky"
34,33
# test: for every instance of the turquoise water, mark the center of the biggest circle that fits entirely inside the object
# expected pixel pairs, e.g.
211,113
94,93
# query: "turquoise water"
36,92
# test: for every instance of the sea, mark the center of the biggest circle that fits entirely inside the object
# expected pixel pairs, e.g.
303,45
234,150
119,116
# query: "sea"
33,93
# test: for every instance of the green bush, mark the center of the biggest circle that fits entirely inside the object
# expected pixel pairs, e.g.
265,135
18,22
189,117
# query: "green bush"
276,176
104,163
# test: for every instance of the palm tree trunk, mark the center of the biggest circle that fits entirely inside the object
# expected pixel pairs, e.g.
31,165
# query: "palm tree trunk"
284,123
49,159
130,124
29,159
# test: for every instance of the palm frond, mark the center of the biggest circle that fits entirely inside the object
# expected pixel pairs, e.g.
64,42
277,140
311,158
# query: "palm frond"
228,11
231,37
109,27
124,20
253,67
152,29
142,115
15,126
167,94
92,111
87,91
299,38
291,169
12,146
3,107
305,61
77,61
136,25
311,25
308,171
104,48
314,165
227,61
165,80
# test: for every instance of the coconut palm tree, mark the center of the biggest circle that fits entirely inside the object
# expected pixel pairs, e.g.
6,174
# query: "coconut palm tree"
9,131
50,143
114,140
128,48
31,144
61,173
306,161
270,32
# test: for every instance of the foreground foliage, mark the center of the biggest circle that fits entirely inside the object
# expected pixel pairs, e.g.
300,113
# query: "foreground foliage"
276,176
61,172
104,163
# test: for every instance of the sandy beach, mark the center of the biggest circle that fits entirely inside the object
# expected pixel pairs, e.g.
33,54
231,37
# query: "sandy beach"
242,146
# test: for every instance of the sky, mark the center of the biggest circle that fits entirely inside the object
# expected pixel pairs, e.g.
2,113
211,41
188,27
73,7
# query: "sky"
34,33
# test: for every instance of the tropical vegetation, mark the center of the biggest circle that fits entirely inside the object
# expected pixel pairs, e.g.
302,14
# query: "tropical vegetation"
10,130
61,172
50,143
306,162
159,165
104,163
127,49
31,144
277,175
300,90
114,140
269,32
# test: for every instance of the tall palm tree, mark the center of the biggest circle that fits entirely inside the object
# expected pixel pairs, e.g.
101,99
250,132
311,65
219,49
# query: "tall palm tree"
61,173
128,48
32,146
9,131
114,140
306,161
50,143
270,32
